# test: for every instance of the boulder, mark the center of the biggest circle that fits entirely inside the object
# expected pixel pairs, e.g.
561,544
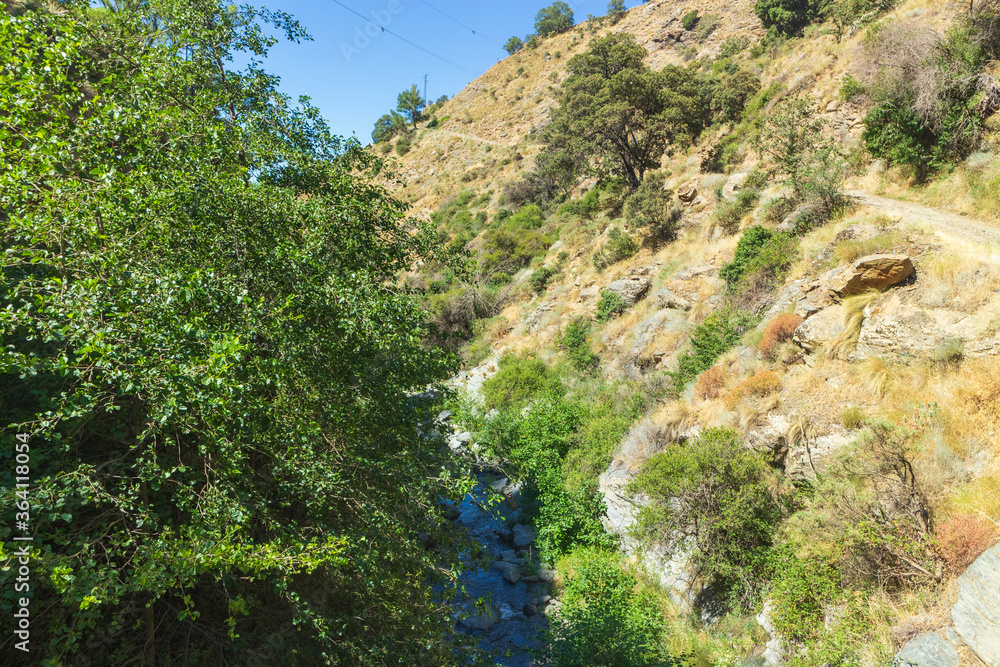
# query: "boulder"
474,620
529,610
665,319
927,650
734,185
629,288
806,459
688,192
872,272
523,536
512,574
976,613
444,416
693,271
450,512
667,298
773,653
821,328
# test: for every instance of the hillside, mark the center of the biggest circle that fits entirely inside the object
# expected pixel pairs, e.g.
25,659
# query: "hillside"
852,352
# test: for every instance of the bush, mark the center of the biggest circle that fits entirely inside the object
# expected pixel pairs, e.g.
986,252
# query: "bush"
759,384
403,145
709,384
787,17
576,339
714,490
719,332
852,418
610,306
619,247
963,538
651,207
756,249
776,209
851,88
690,20
518,380
777,331
539,280
729,214
604,620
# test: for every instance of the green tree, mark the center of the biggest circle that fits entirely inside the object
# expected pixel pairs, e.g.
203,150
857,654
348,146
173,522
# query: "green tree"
388,126
619,116
556,18
651,207
616,10
411,105
513,45
202,334
789,17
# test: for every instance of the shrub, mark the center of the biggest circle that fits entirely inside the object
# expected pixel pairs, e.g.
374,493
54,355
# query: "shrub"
961,539
619,247
801,593
760,384
403,145
852,418
604,620
719,332
759,248
777,331
950,351
707,25
576,339
714,490
513,45
610,306
690,20
709,384
539,280
518,380
729,214
787,17
776,209
651,207
851,88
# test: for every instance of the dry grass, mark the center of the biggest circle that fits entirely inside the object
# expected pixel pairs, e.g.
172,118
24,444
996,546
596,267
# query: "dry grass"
759,385
965,277
854,249
709,384
854,316
963,538
777,331
876,376
975,401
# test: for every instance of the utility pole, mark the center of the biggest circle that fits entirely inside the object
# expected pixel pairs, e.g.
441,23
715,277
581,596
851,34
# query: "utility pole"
425,89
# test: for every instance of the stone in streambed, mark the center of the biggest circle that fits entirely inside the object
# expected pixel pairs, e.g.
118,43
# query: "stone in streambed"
523,536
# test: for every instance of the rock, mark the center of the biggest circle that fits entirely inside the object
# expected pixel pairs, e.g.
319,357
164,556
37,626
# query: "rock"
927,650
665,319
769,438
505,534
425,540
693,271
523,536
872,272
479,621
444,416
821,328
546,574
734,185
667,298
499,485
463,437
976,613
629,288
508,555
589,292
530,610
512,574
450,512
531,579
806,459
687,192
773,654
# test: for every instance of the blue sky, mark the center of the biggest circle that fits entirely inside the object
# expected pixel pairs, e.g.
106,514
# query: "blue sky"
354,77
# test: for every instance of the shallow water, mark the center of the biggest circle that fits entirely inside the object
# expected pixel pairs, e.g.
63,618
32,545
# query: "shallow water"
513,633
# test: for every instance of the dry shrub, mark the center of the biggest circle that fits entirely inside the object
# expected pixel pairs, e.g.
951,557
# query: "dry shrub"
759,384
963,538
777,331
976,404
709,384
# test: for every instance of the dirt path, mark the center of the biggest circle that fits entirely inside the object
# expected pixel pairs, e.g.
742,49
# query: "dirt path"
472,138
950,224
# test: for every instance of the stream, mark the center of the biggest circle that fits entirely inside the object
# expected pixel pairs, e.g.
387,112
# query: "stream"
505,629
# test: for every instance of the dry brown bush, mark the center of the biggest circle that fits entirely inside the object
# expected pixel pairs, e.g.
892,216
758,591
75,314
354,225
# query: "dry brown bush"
777,331
963,538
759,384
709,384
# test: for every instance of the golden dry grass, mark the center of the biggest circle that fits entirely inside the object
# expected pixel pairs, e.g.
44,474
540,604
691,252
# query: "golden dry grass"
854,316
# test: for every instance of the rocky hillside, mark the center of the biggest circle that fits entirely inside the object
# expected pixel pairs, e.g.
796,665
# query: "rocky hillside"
854,355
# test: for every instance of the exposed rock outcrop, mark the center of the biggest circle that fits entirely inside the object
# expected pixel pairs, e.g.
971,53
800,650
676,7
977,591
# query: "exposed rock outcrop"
629,288
927,650
821,328
976,613
874,272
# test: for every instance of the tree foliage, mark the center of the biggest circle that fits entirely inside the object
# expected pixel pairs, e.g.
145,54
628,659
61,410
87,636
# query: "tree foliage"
202,335
551,20
410,103
618,116
513,45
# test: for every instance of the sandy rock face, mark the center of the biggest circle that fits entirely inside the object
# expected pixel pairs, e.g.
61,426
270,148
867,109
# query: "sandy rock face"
821,328
928,650
872,272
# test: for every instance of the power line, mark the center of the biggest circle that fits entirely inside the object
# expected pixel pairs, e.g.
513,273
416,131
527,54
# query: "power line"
400,37
474,32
